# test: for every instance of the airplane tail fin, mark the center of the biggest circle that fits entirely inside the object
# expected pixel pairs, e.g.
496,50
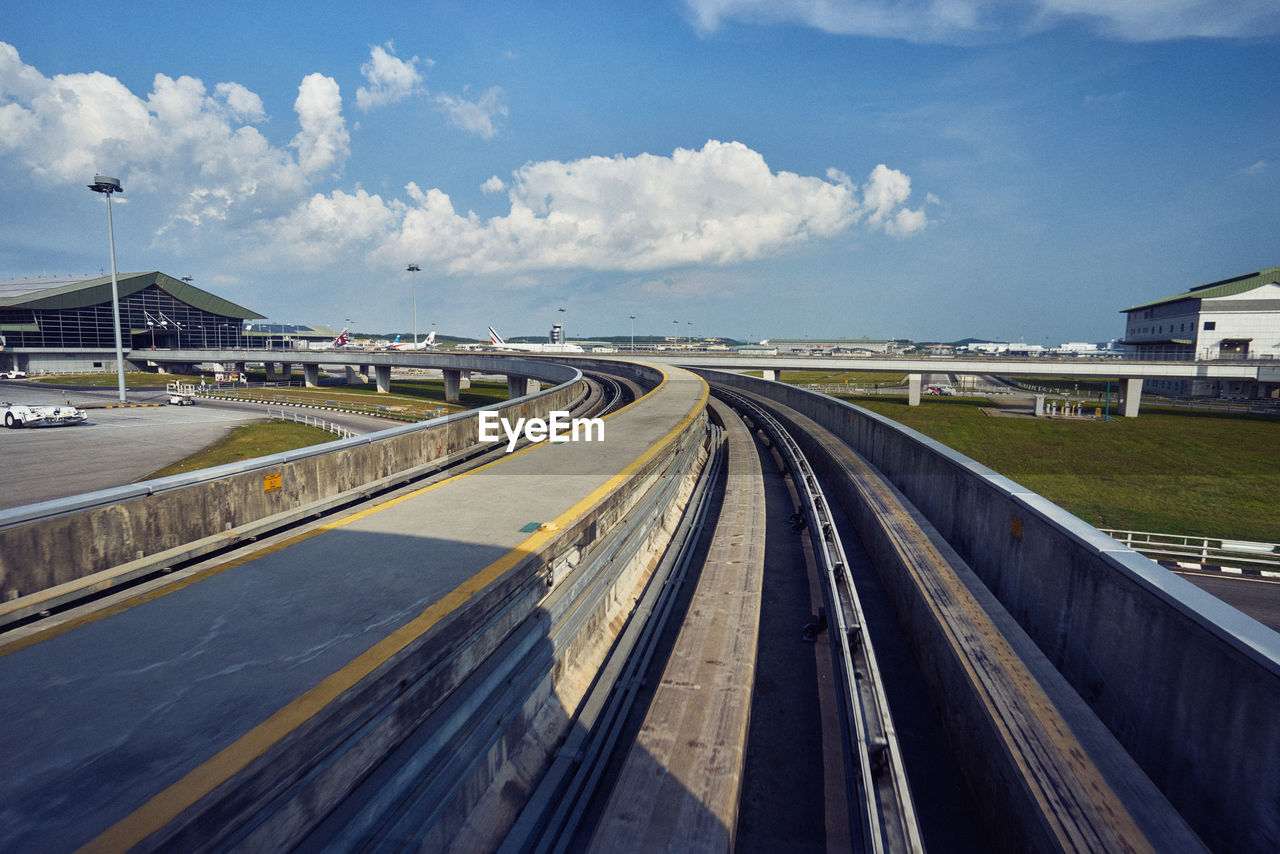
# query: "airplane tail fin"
431,339
341,340
495,338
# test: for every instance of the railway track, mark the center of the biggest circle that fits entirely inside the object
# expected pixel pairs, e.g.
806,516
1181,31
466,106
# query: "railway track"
673,778
1041,767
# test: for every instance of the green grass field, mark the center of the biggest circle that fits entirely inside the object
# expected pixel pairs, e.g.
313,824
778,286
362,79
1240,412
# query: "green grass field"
132,379
1167,471
246,442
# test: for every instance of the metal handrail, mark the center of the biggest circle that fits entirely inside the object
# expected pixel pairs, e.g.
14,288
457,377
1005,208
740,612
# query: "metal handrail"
311,421
889,821
1205,551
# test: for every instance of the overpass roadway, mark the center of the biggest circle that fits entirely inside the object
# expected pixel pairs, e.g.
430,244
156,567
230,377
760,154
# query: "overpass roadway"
1129,374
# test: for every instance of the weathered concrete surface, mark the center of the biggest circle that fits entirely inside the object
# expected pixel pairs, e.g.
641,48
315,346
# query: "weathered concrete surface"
1187,684
249,698
169,512
681,783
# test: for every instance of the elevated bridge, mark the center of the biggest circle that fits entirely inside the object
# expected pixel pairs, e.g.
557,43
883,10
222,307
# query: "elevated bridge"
456,366
397,641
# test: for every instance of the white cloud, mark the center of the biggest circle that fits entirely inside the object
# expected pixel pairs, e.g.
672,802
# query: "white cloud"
718,205
244,104
325,228
391,79
883,196
1256,169
967,21
474,116
197,154
323,142
210,179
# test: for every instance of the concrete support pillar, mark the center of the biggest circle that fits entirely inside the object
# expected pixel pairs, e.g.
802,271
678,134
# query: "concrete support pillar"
364,372
518,386
311,373
382,373
1039,406
464,379
1131,396
352,376
770,374
914,381
452,381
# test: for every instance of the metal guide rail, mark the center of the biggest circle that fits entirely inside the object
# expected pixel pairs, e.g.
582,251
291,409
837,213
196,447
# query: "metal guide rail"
878,780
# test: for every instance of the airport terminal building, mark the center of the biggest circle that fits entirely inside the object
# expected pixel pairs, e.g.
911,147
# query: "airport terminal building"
1236,318
61,325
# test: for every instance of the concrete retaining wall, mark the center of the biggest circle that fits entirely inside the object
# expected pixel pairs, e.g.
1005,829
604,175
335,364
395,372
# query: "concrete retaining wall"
444,682
1187,684
56,542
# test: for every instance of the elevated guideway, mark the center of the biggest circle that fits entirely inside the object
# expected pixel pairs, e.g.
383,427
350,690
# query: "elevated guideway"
1184,683
402,672
1129,374
195,710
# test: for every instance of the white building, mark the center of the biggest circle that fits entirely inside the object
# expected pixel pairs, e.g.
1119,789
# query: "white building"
1236,318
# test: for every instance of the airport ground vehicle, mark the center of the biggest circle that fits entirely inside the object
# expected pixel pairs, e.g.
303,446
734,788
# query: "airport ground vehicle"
40,415
181,394
940,389
14,374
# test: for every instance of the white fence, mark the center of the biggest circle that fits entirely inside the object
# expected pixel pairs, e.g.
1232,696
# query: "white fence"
310,421
1204,552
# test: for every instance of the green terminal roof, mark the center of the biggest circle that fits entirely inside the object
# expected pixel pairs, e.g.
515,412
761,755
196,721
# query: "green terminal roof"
1223,288
79,294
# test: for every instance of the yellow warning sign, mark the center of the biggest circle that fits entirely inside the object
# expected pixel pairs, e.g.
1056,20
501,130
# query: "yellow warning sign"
271,482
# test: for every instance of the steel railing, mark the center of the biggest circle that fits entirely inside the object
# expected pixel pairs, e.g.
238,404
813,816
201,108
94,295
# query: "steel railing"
1191,551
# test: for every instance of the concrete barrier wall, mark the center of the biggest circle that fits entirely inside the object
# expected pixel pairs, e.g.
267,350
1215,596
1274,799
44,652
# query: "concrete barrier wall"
283,793
1187,684
60,541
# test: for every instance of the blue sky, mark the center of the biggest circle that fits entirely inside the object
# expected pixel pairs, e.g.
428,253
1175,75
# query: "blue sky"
932,169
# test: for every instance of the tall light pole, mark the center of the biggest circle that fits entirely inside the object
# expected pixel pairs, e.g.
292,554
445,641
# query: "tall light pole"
633,333
564,339
107,186
413,280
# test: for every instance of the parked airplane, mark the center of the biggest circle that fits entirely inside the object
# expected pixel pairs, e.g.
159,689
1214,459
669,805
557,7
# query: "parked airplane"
498,341
340,341
426,343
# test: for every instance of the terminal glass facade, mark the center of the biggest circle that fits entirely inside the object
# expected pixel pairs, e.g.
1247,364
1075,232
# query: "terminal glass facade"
150,317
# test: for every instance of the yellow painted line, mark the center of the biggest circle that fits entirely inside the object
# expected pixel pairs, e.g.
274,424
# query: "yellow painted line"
14,644
196,784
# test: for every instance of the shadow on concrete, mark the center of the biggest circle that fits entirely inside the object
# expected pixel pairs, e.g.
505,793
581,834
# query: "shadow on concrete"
105,716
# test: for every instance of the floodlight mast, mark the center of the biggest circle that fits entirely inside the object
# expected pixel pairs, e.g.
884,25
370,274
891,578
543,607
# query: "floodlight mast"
107,186
413,282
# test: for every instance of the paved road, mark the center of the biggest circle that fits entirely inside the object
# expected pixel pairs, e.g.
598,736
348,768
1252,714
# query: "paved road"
1257,597
116,446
